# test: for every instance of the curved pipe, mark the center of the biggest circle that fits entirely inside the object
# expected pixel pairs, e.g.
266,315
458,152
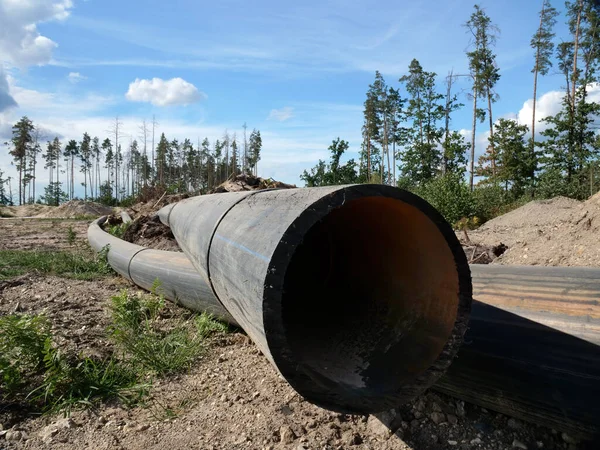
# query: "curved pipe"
359,295
178,280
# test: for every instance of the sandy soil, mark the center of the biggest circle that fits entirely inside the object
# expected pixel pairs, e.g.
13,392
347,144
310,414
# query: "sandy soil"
24,211
232,399
557,232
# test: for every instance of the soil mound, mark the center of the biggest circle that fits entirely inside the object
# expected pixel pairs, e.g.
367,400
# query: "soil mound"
24,210
556,232
148,231
75,209
244,182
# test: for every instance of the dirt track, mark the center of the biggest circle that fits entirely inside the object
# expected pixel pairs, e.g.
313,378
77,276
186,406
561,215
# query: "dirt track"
232,399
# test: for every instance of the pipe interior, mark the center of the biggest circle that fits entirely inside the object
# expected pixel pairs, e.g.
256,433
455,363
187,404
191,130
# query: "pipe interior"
370,298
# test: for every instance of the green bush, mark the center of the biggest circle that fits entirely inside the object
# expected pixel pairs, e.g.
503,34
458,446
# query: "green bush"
488,202
450,195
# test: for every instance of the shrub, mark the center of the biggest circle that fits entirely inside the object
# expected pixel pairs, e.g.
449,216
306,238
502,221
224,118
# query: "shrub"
450,195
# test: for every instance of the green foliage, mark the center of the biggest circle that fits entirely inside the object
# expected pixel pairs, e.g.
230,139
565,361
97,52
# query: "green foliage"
23,339
136,331
509,162
81,264
488,201
324,174
450,195
207,325
118,229
71,235
78,382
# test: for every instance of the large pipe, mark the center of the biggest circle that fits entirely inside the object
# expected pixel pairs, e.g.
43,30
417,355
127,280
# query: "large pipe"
532,350
359,295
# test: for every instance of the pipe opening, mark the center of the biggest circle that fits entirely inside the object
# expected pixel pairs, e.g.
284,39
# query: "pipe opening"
370,299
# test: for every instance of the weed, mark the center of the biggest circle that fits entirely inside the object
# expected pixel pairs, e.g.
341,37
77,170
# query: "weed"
135,329
82,264
22,342
206,325
76,382
117,230
71,235
30,364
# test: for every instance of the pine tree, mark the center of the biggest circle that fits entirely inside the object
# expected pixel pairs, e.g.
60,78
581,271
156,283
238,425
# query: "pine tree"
421,159
109,164
544,48
85,155
162,150
334,173
512,158
371,129
255,147
71,151
97,154
484,72
22,140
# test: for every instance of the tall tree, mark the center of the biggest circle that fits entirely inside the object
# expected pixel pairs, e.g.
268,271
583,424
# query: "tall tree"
484,72
421,159
71,151
144,138
371,131
97,152
85,155
513,158
255,146
109,164
543,45
162,151
22,140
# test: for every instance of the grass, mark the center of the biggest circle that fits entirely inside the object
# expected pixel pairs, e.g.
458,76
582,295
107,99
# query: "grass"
137,330
35,372
82,264
73,382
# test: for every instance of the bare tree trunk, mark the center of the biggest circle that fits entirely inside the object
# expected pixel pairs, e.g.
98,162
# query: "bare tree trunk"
489,99
535,79
449,81
575,50
472,162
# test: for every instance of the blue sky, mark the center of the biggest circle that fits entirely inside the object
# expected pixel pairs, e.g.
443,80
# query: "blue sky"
298,71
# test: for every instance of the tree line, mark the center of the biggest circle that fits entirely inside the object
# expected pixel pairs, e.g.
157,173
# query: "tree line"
113,171
408,139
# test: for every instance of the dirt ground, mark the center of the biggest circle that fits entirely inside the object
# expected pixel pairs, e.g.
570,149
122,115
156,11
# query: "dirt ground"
232,399
557,232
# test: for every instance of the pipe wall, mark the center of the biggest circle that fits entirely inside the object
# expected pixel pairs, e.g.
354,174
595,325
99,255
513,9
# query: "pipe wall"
359,295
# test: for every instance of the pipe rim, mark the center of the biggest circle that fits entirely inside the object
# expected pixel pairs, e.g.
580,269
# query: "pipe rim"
273,306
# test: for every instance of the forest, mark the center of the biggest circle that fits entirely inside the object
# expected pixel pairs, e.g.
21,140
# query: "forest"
408,139
113,175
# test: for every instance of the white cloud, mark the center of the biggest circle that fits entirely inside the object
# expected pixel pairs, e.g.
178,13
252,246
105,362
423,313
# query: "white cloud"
75,77
159,92
21,44
281,115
